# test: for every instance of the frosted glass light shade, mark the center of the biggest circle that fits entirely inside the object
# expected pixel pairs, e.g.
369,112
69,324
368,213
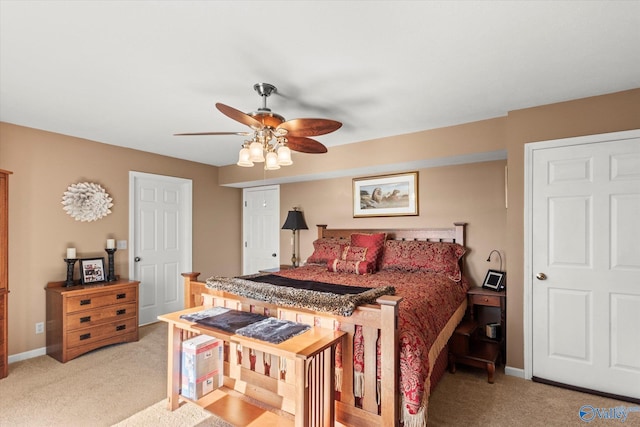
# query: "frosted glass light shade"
244,158
256,155
271,161
284,156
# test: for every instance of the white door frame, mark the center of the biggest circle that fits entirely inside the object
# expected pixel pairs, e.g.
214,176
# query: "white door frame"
529,150
186,206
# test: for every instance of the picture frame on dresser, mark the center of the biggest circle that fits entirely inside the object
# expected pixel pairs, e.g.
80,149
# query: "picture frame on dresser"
92,270
494,280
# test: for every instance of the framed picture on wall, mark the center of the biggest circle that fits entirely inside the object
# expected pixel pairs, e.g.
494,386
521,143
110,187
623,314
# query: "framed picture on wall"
386,195
92,270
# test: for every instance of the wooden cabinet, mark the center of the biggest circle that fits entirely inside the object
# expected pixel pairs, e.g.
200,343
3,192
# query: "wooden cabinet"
84,318
4,272
470,344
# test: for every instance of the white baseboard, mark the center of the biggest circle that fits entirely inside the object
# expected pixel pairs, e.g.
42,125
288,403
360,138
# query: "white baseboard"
27,354
514,372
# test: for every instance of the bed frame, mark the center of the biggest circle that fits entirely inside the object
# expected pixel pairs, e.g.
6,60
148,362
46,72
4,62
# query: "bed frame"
266,377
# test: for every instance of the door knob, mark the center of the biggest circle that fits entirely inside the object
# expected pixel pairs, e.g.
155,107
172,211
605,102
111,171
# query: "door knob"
137,259
541,276
274,255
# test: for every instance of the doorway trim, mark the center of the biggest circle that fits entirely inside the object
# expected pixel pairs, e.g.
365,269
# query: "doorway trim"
186,206
529,149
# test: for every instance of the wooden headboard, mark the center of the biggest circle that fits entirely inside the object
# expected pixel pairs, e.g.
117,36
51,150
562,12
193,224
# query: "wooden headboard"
454,234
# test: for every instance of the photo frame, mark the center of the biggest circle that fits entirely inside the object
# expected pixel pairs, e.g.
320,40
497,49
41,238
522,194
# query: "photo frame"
92,270
386,195
494,280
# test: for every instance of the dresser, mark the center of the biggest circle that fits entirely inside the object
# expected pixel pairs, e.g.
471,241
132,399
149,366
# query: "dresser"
4,271
84,318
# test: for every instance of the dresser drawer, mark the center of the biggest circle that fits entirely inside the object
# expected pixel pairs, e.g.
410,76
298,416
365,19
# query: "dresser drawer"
89,335
488,300
101,299
84,319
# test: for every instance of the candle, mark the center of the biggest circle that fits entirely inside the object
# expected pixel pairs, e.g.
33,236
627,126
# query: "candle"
111,243
71,253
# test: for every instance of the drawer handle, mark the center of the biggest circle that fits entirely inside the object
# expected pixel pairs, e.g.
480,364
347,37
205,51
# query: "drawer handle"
85,301
485,299
85,336
121,311
121,327
120,296
85,319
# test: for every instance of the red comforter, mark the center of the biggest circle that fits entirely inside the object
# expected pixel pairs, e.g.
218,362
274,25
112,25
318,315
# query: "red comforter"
430,300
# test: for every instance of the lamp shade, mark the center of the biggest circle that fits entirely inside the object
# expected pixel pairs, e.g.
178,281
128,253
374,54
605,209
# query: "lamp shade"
295,221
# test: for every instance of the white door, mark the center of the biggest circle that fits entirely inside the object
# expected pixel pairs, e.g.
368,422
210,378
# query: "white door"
261,228
585,262
160,235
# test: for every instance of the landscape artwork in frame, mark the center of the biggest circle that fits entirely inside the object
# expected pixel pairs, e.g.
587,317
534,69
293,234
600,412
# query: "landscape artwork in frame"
386,195
92,270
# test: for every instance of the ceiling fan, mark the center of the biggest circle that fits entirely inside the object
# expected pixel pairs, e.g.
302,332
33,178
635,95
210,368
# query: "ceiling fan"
272,137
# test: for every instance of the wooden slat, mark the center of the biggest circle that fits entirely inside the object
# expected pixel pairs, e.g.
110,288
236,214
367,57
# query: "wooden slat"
369,401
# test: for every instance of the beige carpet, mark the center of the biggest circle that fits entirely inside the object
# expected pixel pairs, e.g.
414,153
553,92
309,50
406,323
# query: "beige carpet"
125,385
187,415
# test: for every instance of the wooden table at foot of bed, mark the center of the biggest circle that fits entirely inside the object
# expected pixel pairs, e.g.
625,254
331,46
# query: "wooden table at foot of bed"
312,353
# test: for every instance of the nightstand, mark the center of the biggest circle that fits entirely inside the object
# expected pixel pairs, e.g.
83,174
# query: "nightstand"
470,344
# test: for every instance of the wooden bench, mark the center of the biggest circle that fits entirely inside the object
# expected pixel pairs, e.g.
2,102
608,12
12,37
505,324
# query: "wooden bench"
311,352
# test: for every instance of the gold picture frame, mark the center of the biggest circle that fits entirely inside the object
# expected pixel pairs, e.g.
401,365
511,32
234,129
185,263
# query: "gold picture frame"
386,195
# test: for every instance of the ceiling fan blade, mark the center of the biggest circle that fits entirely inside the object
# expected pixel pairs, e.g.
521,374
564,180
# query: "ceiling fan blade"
310,127
239,116
305,145
213,133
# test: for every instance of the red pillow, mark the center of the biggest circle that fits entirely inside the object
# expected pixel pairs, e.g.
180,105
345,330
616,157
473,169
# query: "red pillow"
412,255
344,266
326,249
374,244
354,253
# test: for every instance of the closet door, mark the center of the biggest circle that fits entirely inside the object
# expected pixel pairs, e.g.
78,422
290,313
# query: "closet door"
585,262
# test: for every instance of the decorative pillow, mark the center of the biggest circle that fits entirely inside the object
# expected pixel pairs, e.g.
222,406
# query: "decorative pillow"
374,244
413,255
354,253
344,266
326,249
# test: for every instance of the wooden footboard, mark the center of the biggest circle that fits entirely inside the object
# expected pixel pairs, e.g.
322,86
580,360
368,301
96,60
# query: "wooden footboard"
268,375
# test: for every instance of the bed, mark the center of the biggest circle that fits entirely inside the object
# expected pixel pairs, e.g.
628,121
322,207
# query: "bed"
396,349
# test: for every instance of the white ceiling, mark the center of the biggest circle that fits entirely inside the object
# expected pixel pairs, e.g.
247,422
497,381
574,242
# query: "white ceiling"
133,73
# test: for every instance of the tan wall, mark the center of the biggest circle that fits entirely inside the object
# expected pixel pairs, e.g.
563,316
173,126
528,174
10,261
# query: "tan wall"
600,114
472,193
44,164
588,116
469,138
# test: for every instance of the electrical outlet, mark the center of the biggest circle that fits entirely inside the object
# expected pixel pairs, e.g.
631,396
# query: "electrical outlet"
121,244
40,328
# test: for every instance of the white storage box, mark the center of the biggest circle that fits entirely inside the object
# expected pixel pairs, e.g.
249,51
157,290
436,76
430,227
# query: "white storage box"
201,366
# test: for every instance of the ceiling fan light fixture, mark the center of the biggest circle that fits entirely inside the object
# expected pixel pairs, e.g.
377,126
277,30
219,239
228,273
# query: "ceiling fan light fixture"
272,136
271,162
256,152
244,158
284,156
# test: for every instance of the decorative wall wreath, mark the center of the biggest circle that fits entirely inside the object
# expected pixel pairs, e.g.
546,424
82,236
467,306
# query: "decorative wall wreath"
86,201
